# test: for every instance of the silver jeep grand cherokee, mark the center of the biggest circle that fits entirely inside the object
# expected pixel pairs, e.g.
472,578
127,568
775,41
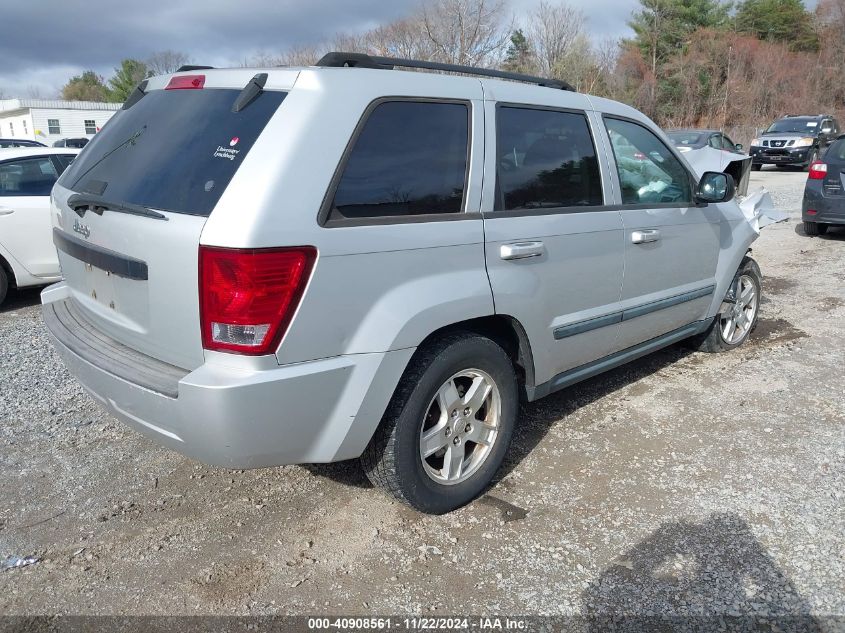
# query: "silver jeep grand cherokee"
316,264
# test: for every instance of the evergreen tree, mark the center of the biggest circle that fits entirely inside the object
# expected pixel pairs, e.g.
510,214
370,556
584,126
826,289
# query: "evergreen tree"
778,20
519,57
130,73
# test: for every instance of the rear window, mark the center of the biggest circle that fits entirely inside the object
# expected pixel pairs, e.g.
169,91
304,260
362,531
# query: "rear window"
685,138
174,150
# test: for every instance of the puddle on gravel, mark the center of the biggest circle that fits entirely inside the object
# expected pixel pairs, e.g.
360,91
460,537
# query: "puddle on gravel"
509,511
828,304
777,285
775,332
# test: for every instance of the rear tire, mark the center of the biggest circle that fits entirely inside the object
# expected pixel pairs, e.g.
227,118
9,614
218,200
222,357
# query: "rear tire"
814,228
4,284
731,330
465,437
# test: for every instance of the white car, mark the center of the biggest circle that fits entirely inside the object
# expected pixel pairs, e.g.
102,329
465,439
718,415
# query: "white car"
711,150
27,254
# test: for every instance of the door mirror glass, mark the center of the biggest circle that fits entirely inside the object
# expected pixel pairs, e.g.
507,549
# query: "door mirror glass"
715,187
738,147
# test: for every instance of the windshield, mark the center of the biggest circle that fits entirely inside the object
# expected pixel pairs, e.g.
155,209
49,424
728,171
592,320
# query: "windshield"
174,150
685,138
794,125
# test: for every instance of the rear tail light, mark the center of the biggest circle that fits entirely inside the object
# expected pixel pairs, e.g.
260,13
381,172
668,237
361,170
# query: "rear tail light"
186,82
249,296
818,170
811,212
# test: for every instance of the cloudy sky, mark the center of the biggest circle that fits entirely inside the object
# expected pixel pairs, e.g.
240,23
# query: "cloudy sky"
45,42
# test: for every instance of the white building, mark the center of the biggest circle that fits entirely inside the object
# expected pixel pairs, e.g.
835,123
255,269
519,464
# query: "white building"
47,120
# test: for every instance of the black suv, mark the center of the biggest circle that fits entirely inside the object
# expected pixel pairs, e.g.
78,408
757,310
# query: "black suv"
794,140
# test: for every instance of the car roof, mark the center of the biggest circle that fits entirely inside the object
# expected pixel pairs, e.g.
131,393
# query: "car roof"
22,152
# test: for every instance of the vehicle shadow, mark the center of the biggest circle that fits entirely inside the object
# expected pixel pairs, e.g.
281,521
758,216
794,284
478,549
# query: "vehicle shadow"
708,576
17,299
537,418
834,233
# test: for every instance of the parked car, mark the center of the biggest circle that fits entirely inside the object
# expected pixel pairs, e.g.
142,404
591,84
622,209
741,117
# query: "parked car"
27,254
350,261
712,150
824,193
794,140
19,142
71,142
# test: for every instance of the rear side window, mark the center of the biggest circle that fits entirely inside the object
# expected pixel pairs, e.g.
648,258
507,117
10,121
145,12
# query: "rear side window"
28,177
648,172
836,151
410,158
546,159
174,150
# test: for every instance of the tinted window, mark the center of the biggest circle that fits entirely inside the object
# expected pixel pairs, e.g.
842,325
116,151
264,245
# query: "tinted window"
410,158
28,177
836,151
650,173
174,150
728,144
546,159
795,125
715,141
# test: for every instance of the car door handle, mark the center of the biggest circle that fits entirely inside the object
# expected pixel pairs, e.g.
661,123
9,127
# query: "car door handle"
6,211
644,236
520,250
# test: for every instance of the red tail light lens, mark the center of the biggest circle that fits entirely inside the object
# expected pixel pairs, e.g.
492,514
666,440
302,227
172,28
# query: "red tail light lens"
248,296
818,170
186,82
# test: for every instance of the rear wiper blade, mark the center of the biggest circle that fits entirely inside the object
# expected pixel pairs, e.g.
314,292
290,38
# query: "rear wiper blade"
82,202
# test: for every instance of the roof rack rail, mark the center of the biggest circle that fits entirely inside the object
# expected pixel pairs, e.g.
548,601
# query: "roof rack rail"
187,67
360,60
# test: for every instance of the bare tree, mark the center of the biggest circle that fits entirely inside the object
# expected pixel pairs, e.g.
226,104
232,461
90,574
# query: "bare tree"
555,30
468,32
166,62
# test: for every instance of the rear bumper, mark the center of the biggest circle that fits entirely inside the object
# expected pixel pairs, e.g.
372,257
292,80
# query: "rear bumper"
239,417
828,209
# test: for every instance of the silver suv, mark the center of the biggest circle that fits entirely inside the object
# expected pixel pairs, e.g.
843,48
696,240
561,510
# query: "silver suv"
317,264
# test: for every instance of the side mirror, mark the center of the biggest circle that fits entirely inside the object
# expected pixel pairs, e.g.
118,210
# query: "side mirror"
715,186
827,130
738,147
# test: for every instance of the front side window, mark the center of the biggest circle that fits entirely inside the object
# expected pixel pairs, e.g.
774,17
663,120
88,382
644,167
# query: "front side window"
648,172
53,126
410,158
90,126
728,144
545,159
29,177
716,141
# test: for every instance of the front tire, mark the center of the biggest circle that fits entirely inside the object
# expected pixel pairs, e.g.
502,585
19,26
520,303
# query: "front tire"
814,228
448,426
732,329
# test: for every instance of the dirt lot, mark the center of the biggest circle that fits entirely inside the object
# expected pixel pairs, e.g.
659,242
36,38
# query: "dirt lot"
683,484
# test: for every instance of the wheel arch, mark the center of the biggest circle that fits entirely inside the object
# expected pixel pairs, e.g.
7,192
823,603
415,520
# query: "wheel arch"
508,333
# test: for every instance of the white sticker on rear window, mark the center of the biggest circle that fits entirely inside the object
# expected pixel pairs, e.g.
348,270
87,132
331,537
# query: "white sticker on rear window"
229,153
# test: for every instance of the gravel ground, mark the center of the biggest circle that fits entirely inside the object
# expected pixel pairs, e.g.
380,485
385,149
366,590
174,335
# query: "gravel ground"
682,484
